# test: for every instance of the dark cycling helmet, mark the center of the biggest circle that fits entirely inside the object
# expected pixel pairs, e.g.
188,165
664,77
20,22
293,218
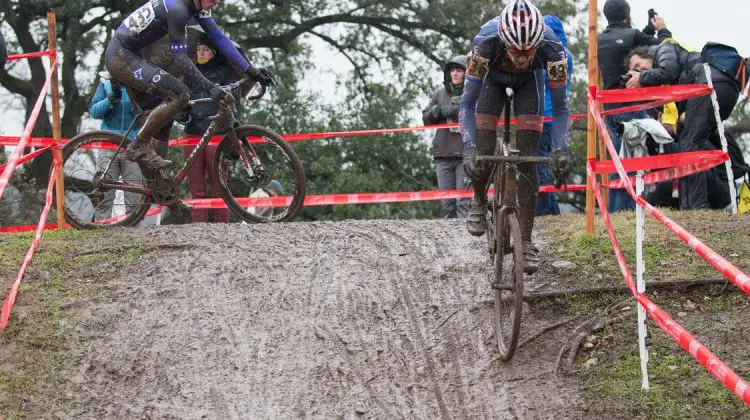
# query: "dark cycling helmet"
521,25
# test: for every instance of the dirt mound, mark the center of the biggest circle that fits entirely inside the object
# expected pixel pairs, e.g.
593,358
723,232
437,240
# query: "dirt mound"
321,320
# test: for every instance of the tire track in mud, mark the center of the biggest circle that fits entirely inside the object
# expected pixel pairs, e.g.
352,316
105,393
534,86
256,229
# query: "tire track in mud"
377,320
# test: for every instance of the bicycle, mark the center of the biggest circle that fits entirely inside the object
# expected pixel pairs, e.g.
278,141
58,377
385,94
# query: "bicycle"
504,238
247,159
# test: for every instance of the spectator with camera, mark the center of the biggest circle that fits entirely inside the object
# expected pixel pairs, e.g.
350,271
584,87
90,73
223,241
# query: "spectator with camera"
615,43
670,64
447,145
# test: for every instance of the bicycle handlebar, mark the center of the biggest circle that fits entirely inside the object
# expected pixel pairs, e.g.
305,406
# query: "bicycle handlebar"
514,159
232,86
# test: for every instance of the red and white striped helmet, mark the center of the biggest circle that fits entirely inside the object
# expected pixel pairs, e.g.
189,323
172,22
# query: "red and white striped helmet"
521,25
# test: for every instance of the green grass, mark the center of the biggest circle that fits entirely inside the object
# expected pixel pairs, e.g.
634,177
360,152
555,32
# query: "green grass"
34,347
680,387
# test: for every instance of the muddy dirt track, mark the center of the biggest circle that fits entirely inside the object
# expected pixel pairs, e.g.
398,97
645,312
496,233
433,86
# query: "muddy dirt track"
310,320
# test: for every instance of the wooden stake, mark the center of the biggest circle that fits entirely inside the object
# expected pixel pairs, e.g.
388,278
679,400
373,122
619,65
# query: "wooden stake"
56,128
593,81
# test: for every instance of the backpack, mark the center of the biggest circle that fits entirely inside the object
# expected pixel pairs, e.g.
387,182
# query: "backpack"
727,60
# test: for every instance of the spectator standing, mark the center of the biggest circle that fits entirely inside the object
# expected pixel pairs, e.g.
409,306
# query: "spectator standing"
547,202
615,43
447,145
216,69
113,106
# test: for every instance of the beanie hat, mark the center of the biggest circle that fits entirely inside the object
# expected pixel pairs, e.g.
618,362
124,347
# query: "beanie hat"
616,10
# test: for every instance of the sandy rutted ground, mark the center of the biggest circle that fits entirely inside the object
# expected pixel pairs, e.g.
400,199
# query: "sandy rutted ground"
377,319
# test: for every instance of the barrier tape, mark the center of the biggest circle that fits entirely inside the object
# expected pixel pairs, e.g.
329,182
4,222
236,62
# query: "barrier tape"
11,299
320,200
29,55
670,174
679,334
11,165
28,157
192,141
721,264
655,96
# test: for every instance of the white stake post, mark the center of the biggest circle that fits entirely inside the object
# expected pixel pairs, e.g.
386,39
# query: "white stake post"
640,231
720,125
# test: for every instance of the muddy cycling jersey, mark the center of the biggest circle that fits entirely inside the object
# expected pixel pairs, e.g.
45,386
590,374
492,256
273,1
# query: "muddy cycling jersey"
157,18
550,56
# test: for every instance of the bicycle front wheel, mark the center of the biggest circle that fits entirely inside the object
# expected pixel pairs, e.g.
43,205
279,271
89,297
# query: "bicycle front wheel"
262,179
100,183
508,283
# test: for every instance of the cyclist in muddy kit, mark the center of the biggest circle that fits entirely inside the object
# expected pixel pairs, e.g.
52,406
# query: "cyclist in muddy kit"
150,83
513,51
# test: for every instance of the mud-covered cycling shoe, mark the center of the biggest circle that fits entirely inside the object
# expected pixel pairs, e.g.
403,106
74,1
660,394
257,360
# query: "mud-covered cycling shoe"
476,222
145,155
531,258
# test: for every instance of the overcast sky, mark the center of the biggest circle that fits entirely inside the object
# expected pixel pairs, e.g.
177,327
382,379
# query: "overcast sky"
692,22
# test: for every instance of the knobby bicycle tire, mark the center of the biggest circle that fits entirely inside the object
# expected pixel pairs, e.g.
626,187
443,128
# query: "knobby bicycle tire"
508,306
71,217
296,178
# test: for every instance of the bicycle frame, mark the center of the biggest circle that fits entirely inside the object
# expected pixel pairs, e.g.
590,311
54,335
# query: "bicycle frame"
225,114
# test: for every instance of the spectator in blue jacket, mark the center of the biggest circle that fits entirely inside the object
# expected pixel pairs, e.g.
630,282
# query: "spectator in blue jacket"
112,105
547,203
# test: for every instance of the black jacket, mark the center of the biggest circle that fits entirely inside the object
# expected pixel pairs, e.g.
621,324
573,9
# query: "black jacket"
219,72
615,43
3,52
673,65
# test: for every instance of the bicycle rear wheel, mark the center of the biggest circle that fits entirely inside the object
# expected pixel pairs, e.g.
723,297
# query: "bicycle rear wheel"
264,166
89,204
508,283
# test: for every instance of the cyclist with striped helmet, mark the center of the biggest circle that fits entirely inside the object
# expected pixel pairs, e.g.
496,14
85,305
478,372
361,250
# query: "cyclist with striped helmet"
513,51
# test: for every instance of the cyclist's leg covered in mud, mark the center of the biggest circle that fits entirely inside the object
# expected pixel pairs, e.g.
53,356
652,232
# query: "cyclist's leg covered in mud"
147,81
528,107
489,107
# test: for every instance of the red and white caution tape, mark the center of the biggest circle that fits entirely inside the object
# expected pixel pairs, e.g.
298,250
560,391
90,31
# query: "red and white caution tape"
673,173
28,157
11,299
11,165
680,335
721,264
30,55
192,141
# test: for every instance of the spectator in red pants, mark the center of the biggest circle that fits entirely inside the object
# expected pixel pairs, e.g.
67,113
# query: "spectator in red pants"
218,71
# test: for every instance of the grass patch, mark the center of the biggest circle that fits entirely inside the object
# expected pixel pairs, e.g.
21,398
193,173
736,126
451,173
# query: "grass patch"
680,387
34,347
666,256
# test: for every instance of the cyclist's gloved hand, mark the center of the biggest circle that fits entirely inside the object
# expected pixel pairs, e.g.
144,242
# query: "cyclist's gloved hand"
221,96
472,169
261,75
561,165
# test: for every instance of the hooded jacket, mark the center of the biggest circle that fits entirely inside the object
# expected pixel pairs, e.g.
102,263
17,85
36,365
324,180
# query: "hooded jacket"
554,23
447,143
115,117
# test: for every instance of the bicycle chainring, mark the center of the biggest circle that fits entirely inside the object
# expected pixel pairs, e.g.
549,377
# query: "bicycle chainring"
164,191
